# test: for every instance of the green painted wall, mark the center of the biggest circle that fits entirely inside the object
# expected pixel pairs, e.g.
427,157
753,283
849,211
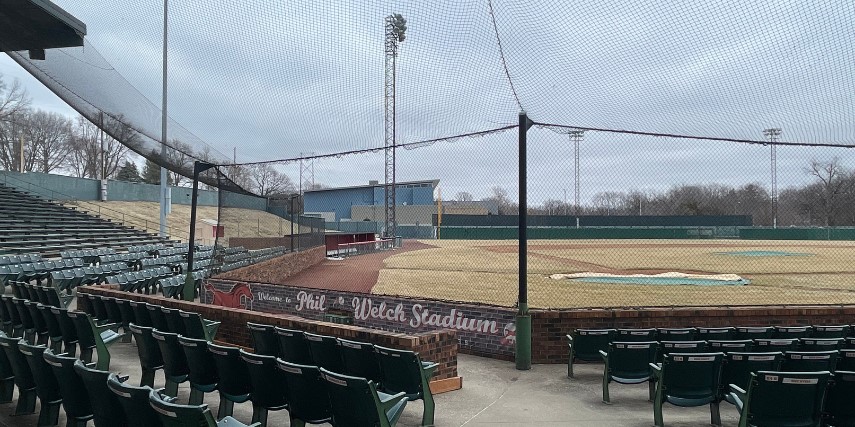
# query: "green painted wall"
797,233
505,233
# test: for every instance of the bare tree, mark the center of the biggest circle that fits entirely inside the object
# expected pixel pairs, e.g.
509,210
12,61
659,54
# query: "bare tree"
831,187
506,206
86,158
48,136
14,99
180,162
464,196
267,181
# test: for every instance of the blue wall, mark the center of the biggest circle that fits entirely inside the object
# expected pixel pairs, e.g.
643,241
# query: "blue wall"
339,200
61,187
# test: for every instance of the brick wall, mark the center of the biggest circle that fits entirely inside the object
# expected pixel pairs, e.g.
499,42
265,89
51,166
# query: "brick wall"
276,269
436,346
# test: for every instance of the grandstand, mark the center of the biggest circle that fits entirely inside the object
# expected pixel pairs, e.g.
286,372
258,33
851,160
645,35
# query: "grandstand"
32,224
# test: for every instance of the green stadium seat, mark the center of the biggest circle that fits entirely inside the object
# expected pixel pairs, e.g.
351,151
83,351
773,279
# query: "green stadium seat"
586,344
197,327
134,402
830,331
268,391
838,408
308,401
781,398
148,351
75,399
404,371
845,360
69,331
264,339
667,347
23,378
356,402
635,335
53,330
628,363
105,404
676,334
203,369
39,326
16,328
173,415
753,332
27,324
790,332
94,337
141,313
325,352
820,344
360,359
158,318
728,346
175,367
47,388
174,322
809,361
688,380
775,344
738,367
234,382
293,346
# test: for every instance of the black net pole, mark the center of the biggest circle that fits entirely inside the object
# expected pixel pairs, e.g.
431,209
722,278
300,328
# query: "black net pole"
189,293
523,321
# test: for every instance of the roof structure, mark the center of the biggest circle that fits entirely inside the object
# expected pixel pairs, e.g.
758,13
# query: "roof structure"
36,25
432,182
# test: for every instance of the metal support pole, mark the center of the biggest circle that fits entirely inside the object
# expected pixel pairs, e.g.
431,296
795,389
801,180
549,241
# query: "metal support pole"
523,320
189,283
292,223
163,176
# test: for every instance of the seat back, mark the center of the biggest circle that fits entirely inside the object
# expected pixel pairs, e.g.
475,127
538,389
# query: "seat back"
786,398
267,382
325,352
775,344
75,398
359,359
51,323
790,332
141,313
727,346
158,318
630,360
9,305
203,369
134,402
147,347
676,334
96,307
128,315
830,331
114,314
174,362
83,326
20,368
174,321
69,332
666,347
845,360
809,361
293,347
838,407
587,343
635,335
354,401
402,370
307,395
738,367
105,404
23,314
174,415
753,332
820,344
46,386
36,316
691,379
264,339
232,372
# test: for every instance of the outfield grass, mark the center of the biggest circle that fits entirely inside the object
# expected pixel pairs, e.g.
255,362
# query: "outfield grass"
486,271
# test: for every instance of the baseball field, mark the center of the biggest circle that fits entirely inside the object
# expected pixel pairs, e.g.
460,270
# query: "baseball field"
780,272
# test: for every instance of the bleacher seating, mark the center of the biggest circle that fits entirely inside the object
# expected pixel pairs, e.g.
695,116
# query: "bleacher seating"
31,224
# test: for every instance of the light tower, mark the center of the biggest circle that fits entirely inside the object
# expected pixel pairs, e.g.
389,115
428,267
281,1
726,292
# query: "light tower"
576,136
773,134
396,27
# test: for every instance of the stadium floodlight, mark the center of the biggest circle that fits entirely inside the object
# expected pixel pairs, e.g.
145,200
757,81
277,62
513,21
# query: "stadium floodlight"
773,134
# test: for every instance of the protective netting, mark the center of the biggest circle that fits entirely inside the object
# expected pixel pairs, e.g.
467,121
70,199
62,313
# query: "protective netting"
675,108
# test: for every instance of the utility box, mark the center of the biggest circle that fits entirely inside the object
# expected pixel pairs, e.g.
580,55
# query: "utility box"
207,231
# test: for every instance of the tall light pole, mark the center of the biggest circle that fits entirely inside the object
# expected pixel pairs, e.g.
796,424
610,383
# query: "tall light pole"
773,134
396,27
164,188
576,136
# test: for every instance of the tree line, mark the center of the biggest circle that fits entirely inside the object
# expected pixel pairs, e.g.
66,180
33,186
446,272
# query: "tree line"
55,143
826,200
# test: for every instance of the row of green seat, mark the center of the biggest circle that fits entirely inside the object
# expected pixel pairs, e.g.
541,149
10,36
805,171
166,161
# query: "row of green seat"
794,396
142,281
20,259
47,294
364,360
124,312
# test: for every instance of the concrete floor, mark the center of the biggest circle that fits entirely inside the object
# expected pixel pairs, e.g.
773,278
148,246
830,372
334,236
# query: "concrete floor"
494,393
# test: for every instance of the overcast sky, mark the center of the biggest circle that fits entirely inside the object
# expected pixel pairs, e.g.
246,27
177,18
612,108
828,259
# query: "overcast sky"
276,79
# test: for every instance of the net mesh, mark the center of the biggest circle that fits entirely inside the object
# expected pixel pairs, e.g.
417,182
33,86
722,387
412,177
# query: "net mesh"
667,102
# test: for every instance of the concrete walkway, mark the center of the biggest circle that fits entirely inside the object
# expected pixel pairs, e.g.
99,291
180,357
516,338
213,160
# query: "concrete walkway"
494,394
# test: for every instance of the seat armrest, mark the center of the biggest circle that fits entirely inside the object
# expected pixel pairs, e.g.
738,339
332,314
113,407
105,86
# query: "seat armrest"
738,395
107,326
428,368
603,354
657,367
390,400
